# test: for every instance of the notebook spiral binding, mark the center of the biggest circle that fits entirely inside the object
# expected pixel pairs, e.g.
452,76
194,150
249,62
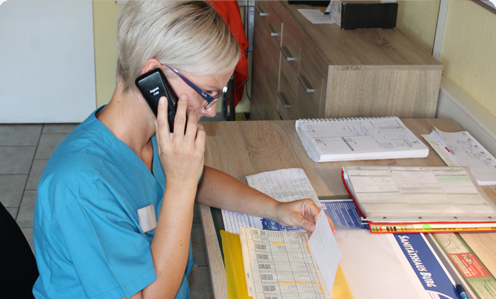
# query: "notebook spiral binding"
321,120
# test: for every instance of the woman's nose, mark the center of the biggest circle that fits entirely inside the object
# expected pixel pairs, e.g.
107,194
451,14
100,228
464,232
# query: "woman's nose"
210,111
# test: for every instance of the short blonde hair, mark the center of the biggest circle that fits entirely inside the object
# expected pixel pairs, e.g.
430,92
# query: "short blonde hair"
188,35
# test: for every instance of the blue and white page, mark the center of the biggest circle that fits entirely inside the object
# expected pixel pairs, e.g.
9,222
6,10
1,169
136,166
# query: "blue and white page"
343,212
283,185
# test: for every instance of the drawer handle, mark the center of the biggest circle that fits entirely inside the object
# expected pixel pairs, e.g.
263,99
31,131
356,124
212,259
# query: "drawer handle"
261,11
272,30
284,100
287,53
306,85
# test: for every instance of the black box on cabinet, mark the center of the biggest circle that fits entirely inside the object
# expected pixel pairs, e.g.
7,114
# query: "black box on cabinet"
355,15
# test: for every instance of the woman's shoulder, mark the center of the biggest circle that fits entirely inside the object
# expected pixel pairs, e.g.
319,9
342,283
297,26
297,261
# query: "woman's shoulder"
77,160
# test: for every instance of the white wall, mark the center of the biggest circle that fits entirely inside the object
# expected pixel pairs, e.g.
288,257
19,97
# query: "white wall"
47,71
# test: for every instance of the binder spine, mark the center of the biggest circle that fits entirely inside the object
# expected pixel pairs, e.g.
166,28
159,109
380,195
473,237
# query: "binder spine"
351,195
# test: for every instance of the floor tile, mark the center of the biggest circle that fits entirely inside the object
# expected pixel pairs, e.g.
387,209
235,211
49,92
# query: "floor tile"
12,211
48,143
26,211
11,189
28,234
199,247
35,174
16,159
20,135
199,282
58,128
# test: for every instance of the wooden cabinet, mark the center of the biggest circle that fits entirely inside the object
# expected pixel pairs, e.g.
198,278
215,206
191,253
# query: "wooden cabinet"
301,70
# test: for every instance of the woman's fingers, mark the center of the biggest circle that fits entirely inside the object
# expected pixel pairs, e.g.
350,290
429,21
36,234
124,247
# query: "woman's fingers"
162,122
180,118
191,126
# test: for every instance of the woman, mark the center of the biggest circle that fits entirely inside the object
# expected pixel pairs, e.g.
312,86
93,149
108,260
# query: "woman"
107,225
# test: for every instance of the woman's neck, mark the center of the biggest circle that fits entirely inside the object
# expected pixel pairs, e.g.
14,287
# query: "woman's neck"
130,119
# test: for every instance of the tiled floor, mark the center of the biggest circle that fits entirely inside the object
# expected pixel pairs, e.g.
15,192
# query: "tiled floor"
24,153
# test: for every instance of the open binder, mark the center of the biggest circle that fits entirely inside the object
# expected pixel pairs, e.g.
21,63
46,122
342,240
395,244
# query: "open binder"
419,199
358,139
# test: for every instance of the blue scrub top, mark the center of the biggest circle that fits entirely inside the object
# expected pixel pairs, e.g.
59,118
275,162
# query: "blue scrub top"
87,237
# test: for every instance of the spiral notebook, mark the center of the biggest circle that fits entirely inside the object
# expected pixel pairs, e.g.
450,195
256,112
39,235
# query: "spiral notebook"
350,139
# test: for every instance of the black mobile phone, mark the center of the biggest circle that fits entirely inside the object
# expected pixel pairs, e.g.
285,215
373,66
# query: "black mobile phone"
154,85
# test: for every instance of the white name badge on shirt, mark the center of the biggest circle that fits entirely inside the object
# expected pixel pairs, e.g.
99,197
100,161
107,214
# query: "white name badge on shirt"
147,218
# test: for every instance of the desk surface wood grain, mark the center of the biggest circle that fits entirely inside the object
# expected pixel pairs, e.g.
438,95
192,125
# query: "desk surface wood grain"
244,148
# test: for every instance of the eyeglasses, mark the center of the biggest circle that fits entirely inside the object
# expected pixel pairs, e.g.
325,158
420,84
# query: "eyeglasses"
210,99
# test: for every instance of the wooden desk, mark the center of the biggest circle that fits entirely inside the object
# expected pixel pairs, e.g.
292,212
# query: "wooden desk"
244,148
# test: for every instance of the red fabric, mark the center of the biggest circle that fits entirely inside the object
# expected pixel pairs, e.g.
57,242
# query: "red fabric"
229,11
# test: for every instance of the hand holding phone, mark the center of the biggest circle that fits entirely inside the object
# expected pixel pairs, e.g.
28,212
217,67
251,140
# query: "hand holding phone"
154,85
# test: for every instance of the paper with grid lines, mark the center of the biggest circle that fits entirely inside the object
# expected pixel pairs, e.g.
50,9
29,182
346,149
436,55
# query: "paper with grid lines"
283,185
358,139
278,264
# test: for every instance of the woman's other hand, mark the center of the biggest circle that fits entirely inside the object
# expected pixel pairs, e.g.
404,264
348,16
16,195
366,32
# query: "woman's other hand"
302,213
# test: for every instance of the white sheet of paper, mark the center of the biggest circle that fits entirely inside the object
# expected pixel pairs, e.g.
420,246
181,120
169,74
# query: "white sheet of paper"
316,16
371,266
283,185
469,152
325,250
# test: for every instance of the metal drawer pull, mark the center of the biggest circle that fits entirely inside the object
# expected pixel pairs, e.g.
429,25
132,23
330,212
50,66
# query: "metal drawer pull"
261,12
287,53
306,85
272,30
284,100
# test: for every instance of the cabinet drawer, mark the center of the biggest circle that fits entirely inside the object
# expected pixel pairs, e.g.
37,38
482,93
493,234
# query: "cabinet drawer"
310,83
312,60
290,70
308,105
286,99
273,25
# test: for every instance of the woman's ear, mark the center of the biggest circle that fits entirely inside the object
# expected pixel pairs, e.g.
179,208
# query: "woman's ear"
150,64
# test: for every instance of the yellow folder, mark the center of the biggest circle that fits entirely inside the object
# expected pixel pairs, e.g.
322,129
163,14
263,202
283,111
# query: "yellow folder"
236,282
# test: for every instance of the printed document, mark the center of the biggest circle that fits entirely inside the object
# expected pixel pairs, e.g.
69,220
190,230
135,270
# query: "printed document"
283,185
461,149
285,265
315,16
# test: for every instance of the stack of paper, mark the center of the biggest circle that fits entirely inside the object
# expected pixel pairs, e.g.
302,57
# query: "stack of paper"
358,139
461,149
